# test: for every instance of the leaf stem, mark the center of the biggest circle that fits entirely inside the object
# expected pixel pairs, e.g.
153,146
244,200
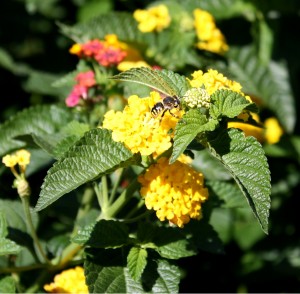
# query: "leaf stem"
116,185
30,226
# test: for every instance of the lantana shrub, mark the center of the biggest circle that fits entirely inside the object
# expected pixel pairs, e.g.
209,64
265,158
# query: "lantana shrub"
165,132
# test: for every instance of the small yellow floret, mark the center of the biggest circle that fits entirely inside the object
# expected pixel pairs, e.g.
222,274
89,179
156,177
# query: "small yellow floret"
174,191
75,49
23,157
68,281
126,65
10,160
153,19
210,37
138,130
273,130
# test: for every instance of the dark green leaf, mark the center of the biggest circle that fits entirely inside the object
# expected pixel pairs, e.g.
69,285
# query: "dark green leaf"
192,123
227,103
92,156
40,120
268,83
106,273
120,23
136,262
164,81
103,234
246,161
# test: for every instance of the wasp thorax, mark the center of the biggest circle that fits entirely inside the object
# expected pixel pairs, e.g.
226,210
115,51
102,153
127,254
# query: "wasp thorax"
167,104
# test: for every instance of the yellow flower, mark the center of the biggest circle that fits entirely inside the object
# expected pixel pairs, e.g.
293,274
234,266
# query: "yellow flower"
210,37
175,191
75,49
155,18
68,281
126,65
273,130
10,160
212,80
138,130
23,157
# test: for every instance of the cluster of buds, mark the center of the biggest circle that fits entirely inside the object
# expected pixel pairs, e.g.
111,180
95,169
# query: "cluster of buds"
108,52
196,98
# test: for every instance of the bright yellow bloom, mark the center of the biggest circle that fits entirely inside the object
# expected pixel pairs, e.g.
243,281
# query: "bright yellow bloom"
75,49
210,37
23,157
126,65
212,80
273,130
10,160
138,130
155,18
175,191
68,281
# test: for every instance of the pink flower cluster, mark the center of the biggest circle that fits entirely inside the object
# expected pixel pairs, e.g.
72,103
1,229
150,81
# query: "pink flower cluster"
85,80
104,53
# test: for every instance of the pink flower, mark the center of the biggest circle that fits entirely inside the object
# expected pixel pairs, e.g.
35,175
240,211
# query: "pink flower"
86,79
77,93
92,47
110,56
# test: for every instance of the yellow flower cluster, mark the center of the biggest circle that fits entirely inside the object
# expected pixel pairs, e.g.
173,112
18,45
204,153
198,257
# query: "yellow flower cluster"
138,130
174,191
68,281
270,132
210,37
155,18
212,80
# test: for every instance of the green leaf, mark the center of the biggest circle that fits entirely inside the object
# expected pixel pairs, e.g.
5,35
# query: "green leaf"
136,262
120,23
3,225
40,120
246,161
164,81
192,123
171,243
103,234
269,83
7,285
92,156
107,273
227,103
228,192
8,247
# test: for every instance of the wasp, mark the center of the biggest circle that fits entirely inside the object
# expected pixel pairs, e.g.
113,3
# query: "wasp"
167,104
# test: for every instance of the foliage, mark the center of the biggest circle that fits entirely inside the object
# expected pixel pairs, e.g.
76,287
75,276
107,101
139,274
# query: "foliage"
221,106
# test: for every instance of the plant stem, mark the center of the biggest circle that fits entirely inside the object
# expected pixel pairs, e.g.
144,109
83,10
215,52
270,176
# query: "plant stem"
116,186
36,242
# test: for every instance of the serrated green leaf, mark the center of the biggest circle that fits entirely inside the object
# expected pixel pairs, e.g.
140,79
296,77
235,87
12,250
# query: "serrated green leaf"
108,274
103,234
7,285
136,262
192,123
227,103
245,159
164,81
121,24
228,192
8,247
172,243
269,83
92,156
40,120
